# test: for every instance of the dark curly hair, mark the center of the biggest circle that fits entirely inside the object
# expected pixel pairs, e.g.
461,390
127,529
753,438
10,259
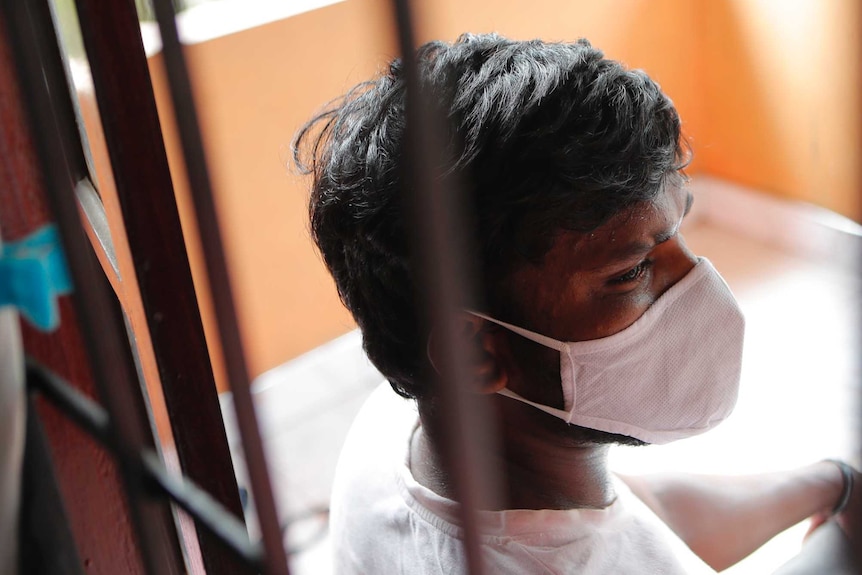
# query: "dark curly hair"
550,136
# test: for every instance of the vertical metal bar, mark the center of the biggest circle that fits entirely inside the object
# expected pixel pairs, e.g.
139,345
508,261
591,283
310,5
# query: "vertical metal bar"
213,248
99,316
442,236
855,530
139,162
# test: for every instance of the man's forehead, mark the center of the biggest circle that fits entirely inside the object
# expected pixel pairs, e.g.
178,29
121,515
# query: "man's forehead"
628,234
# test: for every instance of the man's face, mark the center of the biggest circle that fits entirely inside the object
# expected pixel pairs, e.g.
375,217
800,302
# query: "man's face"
593,285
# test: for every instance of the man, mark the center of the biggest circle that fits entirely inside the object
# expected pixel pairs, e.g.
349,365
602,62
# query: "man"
597,326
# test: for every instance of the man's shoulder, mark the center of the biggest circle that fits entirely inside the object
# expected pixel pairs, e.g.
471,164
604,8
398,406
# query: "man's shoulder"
369,514
386,421
373,453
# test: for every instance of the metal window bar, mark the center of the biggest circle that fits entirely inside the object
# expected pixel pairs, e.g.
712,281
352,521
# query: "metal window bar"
197,172
124,93
441,238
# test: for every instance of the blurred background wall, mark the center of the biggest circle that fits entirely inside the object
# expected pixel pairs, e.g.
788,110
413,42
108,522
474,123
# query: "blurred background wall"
768,91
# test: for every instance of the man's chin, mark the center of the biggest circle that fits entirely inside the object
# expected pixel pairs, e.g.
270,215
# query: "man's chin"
587,436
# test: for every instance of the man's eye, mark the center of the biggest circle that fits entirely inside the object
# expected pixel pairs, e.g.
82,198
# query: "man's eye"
633,274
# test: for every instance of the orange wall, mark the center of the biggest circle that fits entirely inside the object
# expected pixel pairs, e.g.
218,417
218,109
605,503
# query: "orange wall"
760,107
655,35
780,95
769,90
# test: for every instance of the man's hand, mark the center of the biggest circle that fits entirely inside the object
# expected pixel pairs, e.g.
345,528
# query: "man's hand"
847,518
725,518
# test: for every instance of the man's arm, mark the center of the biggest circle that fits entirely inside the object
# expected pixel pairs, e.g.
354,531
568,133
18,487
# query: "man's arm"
725,518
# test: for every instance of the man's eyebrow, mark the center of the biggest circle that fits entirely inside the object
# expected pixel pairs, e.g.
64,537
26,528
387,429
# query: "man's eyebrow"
637,248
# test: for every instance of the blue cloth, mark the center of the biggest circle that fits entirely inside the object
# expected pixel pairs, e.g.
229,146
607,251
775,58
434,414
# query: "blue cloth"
33,274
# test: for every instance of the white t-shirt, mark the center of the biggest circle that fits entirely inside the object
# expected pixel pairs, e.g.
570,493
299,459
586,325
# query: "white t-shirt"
382,521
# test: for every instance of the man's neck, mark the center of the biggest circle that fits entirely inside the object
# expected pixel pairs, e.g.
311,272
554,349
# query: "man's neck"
541,472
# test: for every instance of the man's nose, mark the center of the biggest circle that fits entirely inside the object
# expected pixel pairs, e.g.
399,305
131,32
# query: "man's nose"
676,261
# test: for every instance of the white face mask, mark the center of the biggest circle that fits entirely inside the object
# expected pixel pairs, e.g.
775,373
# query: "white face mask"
672,374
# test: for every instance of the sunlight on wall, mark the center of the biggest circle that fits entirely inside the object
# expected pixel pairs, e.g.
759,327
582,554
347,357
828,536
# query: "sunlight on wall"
781,98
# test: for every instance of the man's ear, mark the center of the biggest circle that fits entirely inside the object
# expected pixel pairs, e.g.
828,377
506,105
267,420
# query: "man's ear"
486,370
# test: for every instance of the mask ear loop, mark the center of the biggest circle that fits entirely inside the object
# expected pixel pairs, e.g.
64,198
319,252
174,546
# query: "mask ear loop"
531,335
561,413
